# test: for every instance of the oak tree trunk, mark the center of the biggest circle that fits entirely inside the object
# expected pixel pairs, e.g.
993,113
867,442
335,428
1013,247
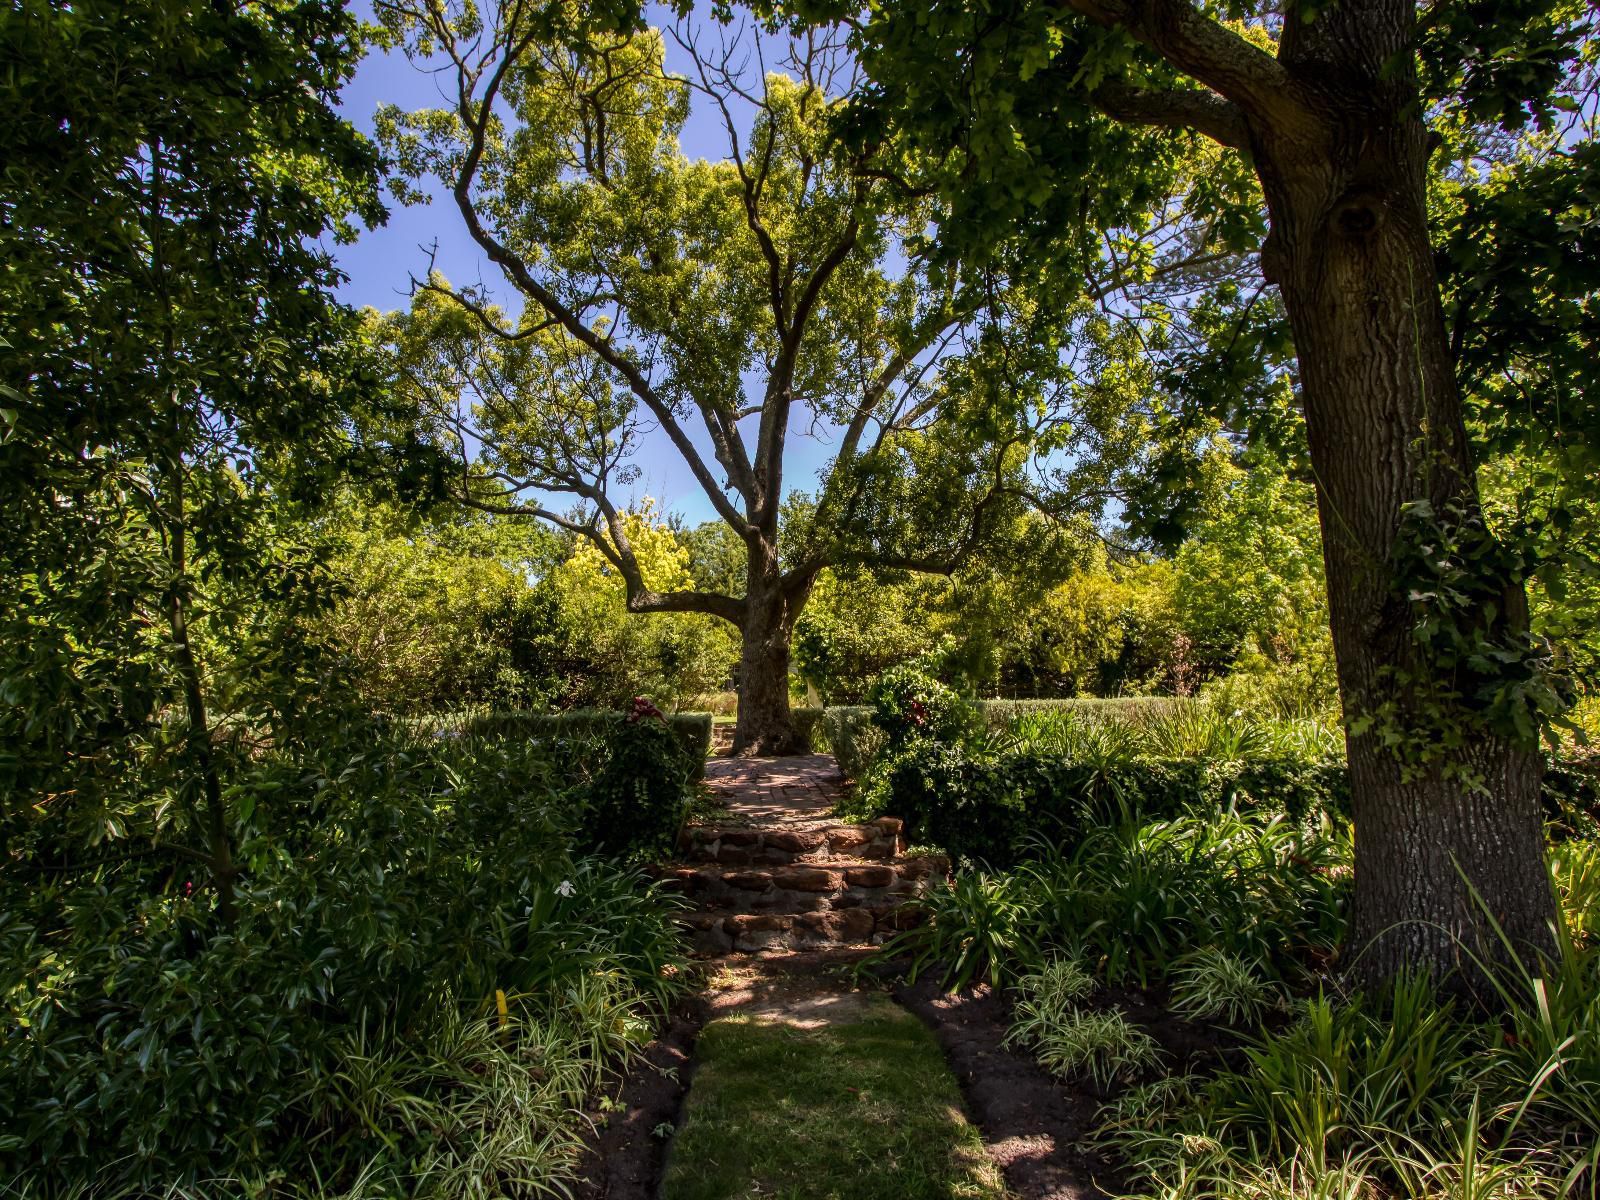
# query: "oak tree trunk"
1349,249
765,724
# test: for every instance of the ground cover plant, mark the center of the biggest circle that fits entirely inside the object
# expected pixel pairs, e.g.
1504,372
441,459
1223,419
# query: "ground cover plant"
419,986
863,1106
1276,1079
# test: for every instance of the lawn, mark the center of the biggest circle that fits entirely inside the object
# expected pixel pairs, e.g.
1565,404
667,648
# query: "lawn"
863,1109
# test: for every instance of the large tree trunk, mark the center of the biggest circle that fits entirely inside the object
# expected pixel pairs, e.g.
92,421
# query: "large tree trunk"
766,726
1349,249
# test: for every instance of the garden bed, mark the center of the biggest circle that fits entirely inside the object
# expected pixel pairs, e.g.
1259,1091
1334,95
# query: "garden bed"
625,1147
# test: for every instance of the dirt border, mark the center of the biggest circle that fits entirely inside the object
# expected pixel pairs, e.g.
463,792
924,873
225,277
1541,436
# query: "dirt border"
1030,1123
622,1159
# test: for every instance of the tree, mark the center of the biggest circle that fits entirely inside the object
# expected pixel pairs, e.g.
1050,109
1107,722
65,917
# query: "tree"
669,657
176,378
1053,123
434,615
718,303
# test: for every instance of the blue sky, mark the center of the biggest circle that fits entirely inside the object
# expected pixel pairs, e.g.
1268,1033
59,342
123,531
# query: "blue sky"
382,261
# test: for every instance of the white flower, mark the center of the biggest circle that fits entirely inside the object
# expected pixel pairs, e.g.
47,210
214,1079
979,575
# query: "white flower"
565,888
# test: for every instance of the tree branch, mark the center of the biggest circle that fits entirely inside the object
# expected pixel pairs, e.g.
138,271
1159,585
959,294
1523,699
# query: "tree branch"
1211,53
476,116
1219,119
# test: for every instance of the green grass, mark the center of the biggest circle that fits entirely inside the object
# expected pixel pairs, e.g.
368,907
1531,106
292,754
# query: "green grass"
856,1110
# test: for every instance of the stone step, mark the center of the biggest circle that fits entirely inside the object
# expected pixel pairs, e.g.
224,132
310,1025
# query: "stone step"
716,933
743,845
802,887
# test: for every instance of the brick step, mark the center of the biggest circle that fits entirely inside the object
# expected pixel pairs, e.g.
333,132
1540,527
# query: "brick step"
749,933
742,845
801,887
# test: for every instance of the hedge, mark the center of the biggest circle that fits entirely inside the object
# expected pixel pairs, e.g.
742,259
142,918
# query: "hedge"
997,809
693,730
1135,710
847,731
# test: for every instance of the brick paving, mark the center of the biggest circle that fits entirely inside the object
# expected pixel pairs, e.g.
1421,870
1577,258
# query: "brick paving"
796,792
775,870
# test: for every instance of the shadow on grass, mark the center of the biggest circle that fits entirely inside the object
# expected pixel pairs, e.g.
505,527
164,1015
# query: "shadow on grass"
858,1108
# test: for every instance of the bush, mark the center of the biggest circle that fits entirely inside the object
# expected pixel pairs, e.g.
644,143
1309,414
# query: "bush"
419,985
847,732
692,729
1137,898
911,706
1135,710
807,722
1001,809
640,798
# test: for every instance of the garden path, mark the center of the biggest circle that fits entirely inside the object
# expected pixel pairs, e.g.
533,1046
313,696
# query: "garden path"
801,1054
773,869
781,792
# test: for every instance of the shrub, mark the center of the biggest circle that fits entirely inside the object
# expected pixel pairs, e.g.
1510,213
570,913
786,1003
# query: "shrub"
1131,710
1136,898
806,724
585,730
1211,984
847,732
1105,1046
910,705
639,799
1002,809
1071,1040
978,927
346,1030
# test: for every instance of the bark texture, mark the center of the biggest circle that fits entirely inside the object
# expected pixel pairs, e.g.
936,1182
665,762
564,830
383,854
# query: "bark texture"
1350,251
772,605
1333,123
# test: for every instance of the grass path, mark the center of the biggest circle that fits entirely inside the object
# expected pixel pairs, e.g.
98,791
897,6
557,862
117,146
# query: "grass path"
805,1090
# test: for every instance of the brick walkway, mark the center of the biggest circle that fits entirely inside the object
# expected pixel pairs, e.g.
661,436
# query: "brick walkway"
797,792
775,869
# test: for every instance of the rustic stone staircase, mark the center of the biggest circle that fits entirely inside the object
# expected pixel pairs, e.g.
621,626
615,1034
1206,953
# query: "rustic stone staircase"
775,871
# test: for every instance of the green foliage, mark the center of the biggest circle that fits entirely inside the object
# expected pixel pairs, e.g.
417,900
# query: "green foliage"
1070,1039
1473,666
438,614
1136,899
1047,779
1404,1092
587,734
641,796
1211,984
394,889
610,654
1105,1046
852,737
180,381
980,927
912,707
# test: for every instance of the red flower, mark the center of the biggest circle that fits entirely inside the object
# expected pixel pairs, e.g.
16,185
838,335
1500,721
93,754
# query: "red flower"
642,708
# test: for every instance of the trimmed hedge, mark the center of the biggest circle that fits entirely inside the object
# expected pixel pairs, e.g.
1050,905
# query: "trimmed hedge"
693,730
806,723
1135,710
848,733
997,810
